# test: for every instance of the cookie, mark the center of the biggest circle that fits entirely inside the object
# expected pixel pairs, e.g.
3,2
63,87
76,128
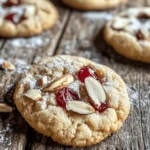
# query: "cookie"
73,100
129,34
24,18
93,4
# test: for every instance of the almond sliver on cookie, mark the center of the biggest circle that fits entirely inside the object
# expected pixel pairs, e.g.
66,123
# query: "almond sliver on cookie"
5,108
95,91
33,94
59,83
120,23
30,11
80,107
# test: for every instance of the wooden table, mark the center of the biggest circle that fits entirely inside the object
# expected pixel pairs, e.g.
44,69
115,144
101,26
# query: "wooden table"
76,33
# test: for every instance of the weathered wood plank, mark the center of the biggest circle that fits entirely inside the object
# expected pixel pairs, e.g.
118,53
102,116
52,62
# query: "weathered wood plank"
145,105
147,2
22,52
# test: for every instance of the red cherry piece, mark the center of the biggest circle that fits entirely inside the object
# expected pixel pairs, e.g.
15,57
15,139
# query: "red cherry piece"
102,107
11,16
73,94
61,96
84,73
10,3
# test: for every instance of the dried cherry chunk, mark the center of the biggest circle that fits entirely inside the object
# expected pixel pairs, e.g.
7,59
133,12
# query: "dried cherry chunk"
102,107
143,16
84,72
11,16
73,94
61,96
10,3
139,35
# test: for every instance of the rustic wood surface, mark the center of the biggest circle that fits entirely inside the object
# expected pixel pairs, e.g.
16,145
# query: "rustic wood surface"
76,33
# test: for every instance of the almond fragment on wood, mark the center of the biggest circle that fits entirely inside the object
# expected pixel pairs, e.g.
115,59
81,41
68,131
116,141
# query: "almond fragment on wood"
80,107
95,91
5,108
8,65
34,94
59,83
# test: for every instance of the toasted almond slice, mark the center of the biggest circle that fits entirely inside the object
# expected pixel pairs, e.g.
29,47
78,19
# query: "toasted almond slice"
59,83
95,91
34,94
8,65
42,81
30,11
120,23
5,108
80,107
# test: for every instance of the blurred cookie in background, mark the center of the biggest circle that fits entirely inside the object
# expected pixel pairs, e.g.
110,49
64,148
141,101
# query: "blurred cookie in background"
129,34
24,18
93,4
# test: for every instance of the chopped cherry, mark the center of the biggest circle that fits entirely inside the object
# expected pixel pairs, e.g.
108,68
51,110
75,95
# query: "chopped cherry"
11,16
101,108
139,35
84,73
10,3
73,94
61,96
143,16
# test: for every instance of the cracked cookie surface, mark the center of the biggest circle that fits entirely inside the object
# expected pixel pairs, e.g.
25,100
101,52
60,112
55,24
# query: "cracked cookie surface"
24,18
93,4
76,121
129,34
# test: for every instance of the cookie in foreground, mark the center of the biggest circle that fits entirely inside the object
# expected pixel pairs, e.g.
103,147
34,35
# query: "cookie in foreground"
24,18
129,34
73,100
93,4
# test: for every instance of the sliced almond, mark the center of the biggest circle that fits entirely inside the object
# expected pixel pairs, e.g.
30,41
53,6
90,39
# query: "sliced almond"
120,23
80,107
5,108
30,11
7,65
95,91
34,94
42,81
59,83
